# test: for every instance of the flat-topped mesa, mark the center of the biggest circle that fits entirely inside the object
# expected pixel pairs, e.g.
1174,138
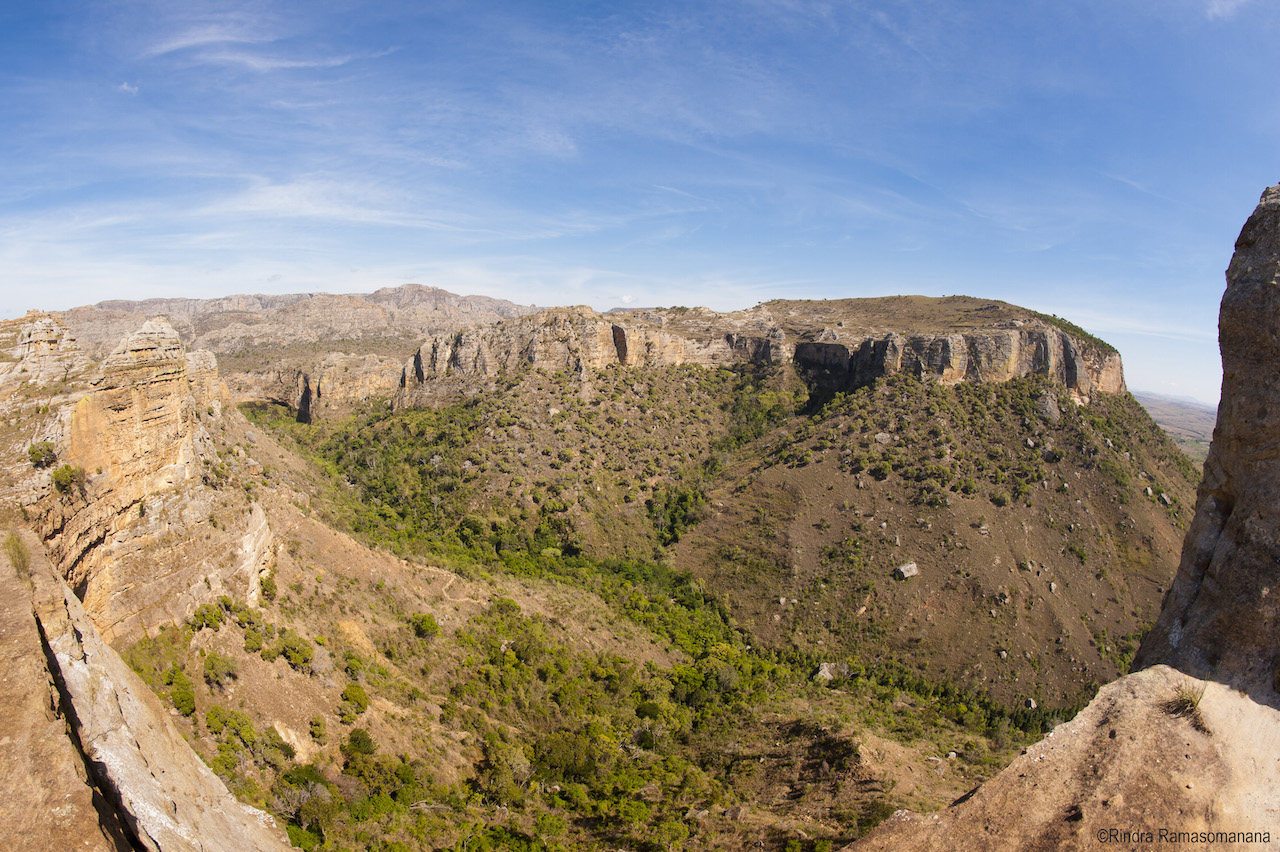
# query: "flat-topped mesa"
839,344
1221,617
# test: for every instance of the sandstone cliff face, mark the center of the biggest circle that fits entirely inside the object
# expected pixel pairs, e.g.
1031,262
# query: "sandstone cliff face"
342,349
579,340
140,539
994,355
338,384
48,801
42,351
1221,618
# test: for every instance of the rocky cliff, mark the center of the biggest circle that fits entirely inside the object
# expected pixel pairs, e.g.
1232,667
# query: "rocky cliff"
94,760
130,517
1221,618
1181,754
838,345
320,353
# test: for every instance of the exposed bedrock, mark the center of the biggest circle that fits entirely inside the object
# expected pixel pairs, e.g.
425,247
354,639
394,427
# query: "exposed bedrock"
579,340
155,787
133,533
1182,753
990,355
1221,617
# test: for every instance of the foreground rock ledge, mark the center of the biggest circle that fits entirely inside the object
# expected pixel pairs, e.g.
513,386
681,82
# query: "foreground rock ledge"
1126,763
124,761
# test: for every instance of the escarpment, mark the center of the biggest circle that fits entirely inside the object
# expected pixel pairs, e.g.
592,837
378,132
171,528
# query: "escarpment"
343,349
95,761
839,345
130,516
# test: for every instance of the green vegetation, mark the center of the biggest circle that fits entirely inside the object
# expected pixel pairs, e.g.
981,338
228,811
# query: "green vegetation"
67,477
542,488
42,454
1076,331
17,553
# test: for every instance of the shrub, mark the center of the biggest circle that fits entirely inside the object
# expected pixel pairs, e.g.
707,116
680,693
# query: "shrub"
17,553
207,615
354,702
424,626
296,650
318,732
358,742
219,669
180,692
67,477
268,587
41,454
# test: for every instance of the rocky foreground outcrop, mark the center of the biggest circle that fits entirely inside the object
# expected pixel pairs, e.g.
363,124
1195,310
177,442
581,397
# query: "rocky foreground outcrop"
1221,618
93,760
1184,754
839,345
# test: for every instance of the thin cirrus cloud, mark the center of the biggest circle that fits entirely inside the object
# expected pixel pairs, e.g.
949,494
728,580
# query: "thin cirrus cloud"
654,152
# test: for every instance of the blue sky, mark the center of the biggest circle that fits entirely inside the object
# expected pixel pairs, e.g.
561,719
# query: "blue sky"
1090,159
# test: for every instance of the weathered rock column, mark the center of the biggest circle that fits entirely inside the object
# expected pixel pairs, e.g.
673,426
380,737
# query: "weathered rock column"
1221,617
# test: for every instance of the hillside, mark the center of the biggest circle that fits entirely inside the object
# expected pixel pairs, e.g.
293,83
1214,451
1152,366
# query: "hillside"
602,581
1169,755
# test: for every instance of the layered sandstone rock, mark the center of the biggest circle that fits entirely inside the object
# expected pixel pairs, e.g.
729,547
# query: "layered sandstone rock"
320,353
1221,618
836,356
338,384
990,355
138,536
48,801
153,782
42,351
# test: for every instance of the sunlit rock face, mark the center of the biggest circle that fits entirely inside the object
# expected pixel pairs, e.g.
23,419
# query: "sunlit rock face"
579,340
1183,751
137,534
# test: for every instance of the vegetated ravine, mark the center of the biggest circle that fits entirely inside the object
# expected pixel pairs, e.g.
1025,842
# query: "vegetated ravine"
670,617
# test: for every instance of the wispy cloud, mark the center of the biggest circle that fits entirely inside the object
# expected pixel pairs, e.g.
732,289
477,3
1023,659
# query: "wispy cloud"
256,62
127,89
233,29
1224,8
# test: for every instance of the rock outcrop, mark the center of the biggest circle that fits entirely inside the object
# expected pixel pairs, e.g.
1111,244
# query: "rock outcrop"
1183,753
107,768
831,353
136,532
48,800
1221,618
42,352
991,355
344,349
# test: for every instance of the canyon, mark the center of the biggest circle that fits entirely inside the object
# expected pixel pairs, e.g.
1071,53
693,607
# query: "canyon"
145,504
